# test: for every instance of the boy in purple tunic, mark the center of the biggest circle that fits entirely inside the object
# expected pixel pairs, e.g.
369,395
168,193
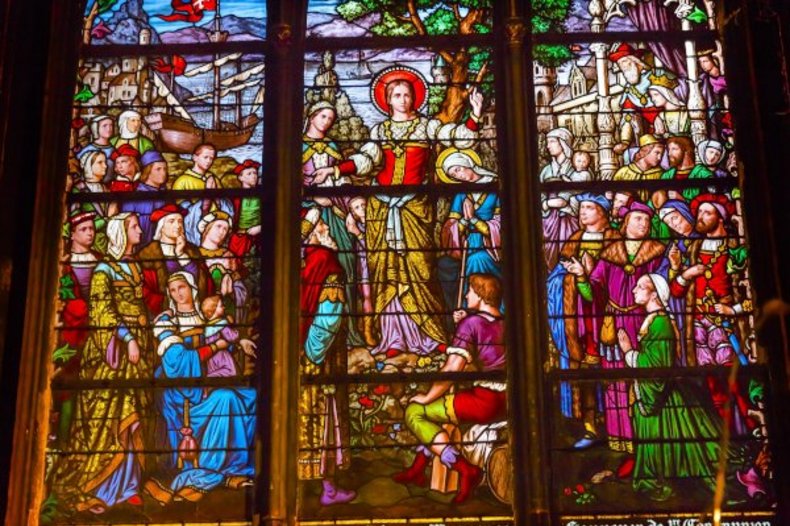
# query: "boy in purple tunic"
478,340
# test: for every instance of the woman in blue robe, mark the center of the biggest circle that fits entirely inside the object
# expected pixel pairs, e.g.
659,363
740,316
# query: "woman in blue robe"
472,226
221,420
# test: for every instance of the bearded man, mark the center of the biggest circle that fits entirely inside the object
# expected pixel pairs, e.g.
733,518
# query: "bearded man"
168,253
709,285
324,441
638,110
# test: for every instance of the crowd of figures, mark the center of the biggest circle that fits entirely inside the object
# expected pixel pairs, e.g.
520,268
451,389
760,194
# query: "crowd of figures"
645,276
383,276
153,287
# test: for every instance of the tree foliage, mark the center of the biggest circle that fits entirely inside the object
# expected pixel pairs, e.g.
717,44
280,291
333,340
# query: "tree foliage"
550,16
397,17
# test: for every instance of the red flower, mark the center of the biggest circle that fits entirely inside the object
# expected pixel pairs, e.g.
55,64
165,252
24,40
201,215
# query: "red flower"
580,488
567,492
379,429
365,401
77,123
381,389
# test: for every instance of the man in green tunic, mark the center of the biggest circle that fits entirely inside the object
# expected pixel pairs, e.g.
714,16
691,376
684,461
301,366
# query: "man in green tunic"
676,436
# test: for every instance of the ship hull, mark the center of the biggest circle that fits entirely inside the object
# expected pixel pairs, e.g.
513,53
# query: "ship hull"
175,134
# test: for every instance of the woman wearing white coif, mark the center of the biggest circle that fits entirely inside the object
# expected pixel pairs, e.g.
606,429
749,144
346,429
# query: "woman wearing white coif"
130,126
558,208
472,226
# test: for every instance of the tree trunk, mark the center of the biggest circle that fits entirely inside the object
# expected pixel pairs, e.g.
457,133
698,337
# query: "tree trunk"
455,99
87,24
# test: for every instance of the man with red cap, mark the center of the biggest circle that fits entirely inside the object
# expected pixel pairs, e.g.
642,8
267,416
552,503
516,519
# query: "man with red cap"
608,285
169,252
247,217
126,162
75,282
709,284
638,111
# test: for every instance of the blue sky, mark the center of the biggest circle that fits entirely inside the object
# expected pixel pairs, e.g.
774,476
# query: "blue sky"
241,8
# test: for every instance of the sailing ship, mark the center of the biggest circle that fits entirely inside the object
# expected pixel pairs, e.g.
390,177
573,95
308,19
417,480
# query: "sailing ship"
361,71
177,131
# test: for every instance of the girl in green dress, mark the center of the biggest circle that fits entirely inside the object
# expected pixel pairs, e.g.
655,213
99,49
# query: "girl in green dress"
676,436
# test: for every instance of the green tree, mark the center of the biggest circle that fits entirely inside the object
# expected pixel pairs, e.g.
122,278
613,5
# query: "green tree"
428,17
549,16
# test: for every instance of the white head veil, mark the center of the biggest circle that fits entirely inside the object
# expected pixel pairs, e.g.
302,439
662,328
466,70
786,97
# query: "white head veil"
668,94
565,137
662,288
116,235
123,130
86,163
190,280
465,160
95,125
704,145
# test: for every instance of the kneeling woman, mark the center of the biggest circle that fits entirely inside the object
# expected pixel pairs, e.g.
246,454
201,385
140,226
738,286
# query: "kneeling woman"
676,436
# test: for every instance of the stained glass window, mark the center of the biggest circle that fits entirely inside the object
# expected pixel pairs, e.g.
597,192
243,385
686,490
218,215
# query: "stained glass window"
154,404
403,358
407,410
648,297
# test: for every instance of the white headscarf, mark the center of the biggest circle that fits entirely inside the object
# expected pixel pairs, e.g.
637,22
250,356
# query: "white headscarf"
190,280
116,235
315,108
210,218
465,160
86,163
123,129
565,137
704,145
95,125
661,287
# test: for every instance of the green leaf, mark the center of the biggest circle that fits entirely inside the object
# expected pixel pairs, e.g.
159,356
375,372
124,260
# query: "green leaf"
85,94
63,354
552,55
105,5
352,10
698,16
66,288
441,22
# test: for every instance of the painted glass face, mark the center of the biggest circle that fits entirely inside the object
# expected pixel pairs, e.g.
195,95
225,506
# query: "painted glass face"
647,272
402,278
152,417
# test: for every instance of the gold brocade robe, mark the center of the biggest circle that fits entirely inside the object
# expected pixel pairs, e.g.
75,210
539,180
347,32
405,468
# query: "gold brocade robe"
108,421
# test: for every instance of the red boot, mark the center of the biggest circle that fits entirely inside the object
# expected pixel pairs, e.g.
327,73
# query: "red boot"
470,478
414,474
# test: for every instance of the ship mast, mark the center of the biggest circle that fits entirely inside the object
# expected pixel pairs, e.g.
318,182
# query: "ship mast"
217,38
238,96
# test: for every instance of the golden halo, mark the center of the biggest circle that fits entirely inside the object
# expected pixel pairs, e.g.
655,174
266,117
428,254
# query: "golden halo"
443,177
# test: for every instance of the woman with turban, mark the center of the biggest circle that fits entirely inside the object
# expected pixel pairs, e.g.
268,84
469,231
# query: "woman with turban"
108,422
676,436
219,422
